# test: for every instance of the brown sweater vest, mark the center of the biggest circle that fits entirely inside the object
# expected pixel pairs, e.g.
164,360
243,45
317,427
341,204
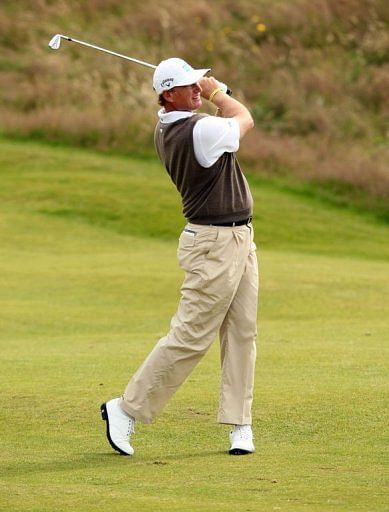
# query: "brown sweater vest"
211,195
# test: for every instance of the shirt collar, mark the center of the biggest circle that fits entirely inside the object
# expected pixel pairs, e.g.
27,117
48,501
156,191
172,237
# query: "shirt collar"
175,115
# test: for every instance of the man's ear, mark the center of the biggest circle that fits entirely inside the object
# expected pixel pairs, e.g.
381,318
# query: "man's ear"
168,96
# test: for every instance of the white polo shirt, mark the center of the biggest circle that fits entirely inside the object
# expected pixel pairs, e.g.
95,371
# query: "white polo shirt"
212,136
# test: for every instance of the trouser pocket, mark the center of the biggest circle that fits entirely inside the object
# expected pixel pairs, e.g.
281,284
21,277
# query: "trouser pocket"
193,247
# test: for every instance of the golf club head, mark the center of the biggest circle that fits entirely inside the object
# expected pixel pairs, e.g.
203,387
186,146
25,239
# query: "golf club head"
55,42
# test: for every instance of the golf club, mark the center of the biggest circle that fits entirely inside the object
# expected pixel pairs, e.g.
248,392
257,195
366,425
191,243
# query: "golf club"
55,43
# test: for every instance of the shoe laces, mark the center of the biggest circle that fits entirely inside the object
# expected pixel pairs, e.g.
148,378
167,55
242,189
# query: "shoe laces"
243,431
131,426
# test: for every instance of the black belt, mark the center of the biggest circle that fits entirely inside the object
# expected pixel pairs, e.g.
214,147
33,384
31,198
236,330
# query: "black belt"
233,224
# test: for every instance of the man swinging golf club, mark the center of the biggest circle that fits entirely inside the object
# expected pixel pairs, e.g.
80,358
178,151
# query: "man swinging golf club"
216,251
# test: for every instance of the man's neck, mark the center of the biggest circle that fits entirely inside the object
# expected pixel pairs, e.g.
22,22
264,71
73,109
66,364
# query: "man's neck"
171,108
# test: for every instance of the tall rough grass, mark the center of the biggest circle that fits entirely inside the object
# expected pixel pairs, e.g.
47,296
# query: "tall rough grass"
315,74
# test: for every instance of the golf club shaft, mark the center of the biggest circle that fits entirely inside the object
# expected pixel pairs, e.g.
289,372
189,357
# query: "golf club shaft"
55,43
109,51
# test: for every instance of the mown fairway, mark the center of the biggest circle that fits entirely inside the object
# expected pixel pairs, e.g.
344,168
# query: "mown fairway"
89,282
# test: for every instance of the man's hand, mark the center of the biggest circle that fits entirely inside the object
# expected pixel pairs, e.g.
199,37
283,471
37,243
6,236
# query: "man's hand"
228,106
208,84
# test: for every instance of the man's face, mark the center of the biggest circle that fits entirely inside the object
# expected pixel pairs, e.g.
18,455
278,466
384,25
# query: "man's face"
184,97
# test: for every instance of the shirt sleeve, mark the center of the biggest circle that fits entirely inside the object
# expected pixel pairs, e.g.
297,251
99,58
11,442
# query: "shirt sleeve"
213,136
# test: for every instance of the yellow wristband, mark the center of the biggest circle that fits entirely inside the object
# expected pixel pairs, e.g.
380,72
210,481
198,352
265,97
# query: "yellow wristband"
213,93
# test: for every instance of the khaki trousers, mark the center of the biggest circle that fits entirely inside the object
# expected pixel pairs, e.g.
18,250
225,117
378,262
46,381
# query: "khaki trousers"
219,294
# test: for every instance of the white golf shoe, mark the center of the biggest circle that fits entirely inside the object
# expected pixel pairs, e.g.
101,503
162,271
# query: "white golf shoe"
120,426
241,440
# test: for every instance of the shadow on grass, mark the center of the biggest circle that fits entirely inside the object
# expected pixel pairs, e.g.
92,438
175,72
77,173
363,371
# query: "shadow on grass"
95,460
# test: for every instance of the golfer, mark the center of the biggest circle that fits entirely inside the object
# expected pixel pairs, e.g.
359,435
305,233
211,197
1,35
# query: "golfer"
216,251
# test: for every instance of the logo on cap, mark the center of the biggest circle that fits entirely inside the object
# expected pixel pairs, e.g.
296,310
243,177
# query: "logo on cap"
167,82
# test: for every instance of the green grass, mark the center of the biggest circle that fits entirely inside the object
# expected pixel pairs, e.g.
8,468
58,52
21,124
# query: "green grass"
89,283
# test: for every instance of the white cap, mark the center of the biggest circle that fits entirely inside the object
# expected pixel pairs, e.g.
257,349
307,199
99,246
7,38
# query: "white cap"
174,72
